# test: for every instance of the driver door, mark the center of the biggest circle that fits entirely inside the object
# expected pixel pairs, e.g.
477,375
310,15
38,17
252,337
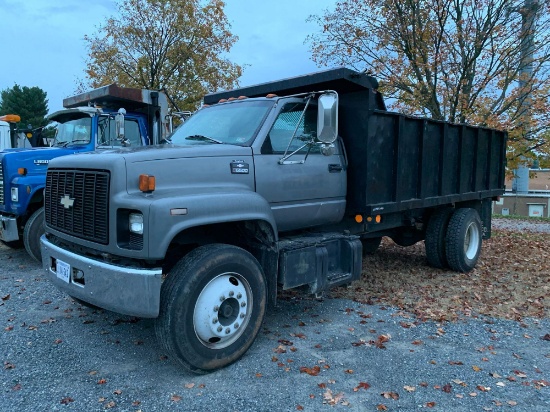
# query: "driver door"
309,188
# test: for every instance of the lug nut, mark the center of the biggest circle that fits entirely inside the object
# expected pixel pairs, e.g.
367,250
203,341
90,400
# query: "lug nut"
242,315
236,325
222,298
220,328
215,320
243,304
227,331
239,295
216,308
231,294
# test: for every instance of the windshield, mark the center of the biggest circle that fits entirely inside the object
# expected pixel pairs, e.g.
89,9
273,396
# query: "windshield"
231,123
77,131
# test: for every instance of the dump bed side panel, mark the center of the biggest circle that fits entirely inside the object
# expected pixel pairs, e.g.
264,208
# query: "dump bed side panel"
399,162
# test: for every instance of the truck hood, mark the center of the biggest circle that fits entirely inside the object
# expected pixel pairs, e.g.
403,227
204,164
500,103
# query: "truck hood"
97,159
35,160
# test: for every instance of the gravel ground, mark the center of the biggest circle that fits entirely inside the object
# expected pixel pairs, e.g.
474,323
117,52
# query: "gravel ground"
311,355
522,225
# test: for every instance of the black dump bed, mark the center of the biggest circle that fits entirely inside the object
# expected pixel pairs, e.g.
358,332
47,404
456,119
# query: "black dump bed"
399,162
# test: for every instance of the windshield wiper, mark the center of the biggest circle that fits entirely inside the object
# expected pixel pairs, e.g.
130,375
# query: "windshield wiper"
201,137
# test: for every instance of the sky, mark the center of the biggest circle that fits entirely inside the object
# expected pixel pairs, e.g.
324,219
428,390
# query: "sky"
43,40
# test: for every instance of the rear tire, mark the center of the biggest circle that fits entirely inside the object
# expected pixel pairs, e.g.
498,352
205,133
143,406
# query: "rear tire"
34,229
212,306
464,239
436,232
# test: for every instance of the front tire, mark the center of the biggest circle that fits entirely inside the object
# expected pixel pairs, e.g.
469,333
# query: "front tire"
463,241
212,307
34,229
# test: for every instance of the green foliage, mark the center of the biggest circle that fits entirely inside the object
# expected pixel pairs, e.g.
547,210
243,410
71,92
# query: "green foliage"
177,45
29,103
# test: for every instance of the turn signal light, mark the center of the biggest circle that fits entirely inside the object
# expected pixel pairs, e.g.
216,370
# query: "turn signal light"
358,218
378,219
146,183
22,171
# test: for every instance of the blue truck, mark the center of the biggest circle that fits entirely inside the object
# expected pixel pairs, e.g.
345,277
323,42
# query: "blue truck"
104,118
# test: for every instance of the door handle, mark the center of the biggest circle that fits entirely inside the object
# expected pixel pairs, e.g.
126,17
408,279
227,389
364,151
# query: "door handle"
335,168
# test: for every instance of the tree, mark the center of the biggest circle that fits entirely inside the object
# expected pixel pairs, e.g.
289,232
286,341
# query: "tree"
29,103
177,45
462,61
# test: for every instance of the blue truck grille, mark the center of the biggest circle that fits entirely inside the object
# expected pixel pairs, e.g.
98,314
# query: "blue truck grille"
76,202
1,184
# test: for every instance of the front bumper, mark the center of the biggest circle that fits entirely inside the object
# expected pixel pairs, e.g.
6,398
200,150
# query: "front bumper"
8,229
134,292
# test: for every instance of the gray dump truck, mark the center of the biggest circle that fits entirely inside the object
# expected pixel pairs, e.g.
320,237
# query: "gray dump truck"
276,186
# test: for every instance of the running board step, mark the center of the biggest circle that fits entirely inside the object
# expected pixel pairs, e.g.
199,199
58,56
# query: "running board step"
319,262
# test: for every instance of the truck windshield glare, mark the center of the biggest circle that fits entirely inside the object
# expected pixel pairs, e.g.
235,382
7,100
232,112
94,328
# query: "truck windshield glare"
73,131
231,123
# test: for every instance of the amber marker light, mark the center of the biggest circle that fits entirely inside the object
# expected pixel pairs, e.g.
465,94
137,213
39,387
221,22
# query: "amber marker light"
369,219
10,118
22,171
358,218
378,219
146,183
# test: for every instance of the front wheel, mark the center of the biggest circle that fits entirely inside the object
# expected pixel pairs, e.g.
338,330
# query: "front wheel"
212,307
34,229
463,241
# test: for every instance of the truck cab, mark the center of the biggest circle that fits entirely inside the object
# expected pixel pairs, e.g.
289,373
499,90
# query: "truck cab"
105,118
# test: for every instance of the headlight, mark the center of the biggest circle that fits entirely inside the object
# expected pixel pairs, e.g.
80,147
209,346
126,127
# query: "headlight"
136,223
14,194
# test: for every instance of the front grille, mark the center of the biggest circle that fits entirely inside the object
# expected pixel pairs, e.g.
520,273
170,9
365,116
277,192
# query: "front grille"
1,184
76,202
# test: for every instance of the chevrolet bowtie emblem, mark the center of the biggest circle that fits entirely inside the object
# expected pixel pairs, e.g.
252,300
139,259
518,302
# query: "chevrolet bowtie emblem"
67,201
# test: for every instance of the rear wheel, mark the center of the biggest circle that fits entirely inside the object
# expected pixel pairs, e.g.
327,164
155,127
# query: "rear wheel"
34,229
463,241
212,306
436,232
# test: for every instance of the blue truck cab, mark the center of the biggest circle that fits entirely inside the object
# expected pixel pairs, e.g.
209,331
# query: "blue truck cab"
105,118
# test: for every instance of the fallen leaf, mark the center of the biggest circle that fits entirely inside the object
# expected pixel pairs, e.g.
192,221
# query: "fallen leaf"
66,400
381,407
175,398
349,371
447,388
430,404
6,297
102,381
362,385
311,371
189,385
409,388
476,368
390,395
110,405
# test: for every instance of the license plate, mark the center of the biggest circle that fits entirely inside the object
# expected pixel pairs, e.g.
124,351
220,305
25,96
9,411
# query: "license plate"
63,270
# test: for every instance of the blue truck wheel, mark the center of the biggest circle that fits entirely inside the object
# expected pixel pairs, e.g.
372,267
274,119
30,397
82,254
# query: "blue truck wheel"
34,228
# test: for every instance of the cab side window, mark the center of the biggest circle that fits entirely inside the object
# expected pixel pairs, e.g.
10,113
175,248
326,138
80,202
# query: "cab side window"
283,128
107,133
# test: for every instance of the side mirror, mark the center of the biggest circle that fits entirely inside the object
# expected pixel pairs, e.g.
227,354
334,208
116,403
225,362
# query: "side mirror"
327,117
119,123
